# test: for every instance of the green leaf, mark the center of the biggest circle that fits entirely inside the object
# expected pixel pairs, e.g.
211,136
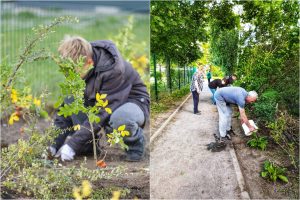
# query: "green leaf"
44,114
58,103
283,178
264,174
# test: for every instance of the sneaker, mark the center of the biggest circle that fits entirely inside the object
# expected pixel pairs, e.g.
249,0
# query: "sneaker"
228,137
230,132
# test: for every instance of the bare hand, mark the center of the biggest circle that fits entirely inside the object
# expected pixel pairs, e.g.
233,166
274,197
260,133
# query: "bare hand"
251,128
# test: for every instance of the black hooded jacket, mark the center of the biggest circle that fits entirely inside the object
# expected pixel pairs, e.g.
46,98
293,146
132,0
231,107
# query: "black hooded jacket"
115,77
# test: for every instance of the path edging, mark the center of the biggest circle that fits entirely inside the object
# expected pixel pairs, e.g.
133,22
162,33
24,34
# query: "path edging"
152,138
239,175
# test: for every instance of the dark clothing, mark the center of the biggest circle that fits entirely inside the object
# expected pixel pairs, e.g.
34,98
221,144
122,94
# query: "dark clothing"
217,83
196,101
115,77
228,80
208,76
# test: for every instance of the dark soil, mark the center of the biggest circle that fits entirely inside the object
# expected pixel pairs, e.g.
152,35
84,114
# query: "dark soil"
251,163
136,177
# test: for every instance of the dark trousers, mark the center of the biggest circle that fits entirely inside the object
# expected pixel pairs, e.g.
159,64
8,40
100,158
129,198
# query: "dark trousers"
208,80
196,100
128,114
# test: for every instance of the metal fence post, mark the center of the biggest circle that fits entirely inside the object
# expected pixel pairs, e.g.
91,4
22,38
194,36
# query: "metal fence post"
178,77
155,78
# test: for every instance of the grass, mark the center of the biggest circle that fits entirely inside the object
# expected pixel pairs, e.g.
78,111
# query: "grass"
167,100
44,74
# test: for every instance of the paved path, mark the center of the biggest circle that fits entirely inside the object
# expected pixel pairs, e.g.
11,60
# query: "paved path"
180,165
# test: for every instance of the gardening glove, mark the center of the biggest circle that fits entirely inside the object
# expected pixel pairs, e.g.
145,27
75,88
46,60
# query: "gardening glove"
52,151
66,153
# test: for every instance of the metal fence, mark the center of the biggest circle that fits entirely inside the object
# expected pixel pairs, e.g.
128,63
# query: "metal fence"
168,78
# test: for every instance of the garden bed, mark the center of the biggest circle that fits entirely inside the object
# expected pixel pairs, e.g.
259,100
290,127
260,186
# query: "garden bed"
251,163
133,181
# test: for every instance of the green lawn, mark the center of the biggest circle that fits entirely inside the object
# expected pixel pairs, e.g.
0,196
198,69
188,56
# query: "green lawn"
44,74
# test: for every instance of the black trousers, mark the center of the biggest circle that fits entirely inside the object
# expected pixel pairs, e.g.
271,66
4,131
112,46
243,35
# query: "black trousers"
196,100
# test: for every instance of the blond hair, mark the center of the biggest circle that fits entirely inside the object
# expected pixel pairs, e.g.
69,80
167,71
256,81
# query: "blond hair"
74,46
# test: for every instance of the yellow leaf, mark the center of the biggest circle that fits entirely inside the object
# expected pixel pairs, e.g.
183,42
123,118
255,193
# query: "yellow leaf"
124,133
29,98
86,189
98,97
116,195
103,96
13,117
76,127
108,110
13,91
37,102
105,103
76,193
121,128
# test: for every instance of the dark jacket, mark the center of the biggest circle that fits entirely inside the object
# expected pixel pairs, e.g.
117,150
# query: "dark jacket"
217,83
115,77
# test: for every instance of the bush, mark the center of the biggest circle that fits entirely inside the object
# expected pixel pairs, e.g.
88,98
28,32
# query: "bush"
266,106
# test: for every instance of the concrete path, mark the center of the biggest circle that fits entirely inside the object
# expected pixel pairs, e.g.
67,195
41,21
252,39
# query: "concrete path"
181,166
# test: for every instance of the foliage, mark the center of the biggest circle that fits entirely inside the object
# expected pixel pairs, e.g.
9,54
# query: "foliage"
269,49
258,142
277,132
224,36
273,172
266,106
106,193
24,168
13,94
176,29
53,181
216,72
168,100
125,41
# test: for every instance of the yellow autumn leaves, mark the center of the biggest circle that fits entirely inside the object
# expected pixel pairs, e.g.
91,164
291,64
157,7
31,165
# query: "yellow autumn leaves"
82,192
21,102
123,131
101,103
13,117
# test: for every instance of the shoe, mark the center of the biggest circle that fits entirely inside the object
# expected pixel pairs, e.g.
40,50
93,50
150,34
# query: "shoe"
133,157
136,150
228,137
217,138
230,132
197,113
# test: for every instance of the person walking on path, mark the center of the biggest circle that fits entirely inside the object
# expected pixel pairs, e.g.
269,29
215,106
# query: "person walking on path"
196,86
227,96
208,76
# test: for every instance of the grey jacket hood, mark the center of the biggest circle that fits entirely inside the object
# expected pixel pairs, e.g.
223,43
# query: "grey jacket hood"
106,56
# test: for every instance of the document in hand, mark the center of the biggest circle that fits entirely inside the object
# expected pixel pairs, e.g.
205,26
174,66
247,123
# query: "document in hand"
246,129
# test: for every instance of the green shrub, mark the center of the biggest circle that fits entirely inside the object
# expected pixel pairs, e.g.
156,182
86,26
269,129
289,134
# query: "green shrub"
266,106
278,133
273,172
258,142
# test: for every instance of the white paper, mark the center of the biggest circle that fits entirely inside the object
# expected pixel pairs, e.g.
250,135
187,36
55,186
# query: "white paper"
246,129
